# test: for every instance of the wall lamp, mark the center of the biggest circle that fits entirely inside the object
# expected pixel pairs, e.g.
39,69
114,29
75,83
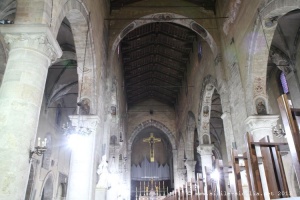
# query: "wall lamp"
39,149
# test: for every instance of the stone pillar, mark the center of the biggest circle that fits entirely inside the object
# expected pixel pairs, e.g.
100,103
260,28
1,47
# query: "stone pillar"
30,54
228,131
127,173
205,151
190,169
260,126
179,173
82,175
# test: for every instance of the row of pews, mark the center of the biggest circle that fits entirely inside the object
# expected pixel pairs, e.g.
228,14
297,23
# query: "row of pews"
261,163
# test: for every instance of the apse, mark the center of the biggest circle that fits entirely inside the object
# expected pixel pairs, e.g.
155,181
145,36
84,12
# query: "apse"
151,142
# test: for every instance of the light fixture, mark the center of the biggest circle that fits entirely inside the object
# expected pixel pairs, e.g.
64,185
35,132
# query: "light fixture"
279,132
39,149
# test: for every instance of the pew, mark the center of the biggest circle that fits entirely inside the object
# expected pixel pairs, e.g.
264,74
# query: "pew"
291,120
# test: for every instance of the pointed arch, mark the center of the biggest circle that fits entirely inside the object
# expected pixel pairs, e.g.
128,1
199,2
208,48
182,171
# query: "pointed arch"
155,124
208,86
47,187
266,23
77,15
166,17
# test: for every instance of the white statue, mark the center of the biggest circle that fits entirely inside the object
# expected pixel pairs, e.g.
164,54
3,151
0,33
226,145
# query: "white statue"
103,174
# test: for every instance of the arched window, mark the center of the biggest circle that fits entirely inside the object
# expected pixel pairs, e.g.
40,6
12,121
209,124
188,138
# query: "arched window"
284,85
58,115
199,51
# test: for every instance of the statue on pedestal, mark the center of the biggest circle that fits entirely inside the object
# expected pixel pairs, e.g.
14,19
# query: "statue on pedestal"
103,174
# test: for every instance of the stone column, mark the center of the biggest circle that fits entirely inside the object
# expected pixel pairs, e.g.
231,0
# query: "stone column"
30,54
229,137
82,175
190,169
179,173
205,151
260,126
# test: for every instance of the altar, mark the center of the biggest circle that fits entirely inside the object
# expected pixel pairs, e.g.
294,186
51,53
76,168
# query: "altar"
151,198
152,195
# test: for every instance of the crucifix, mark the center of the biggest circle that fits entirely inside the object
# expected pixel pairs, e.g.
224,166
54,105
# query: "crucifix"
151,141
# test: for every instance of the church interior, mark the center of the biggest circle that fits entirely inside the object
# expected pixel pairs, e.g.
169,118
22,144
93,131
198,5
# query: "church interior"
149,99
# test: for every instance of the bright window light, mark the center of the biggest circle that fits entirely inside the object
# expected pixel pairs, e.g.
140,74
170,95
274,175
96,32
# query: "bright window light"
215,175
74,141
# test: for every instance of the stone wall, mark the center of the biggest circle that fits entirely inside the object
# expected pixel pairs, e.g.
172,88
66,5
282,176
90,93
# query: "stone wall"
141,112
56,160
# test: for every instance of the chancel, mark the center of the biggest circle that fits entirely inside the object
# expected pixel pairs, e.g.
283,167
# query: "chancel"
149,99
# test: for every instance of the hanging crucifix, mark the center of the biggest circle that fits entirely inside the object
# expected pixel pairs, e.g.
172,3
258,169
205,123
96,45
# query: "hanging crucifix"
151,141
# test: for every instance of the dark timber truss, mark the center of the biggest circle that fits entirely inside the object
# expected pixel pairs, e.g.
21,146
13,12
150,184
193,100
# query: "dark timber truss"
155,58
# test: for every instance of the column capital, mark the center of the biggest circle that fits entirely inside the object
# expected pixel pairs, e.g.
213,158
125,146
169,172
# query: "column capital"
190,163
205,149
87,121
259,122
37,38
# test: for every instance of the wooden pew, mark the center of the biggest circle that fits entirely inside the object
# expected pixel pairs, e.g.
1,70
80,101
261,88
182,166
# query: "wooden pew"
235,177
255,181
290,119
271,157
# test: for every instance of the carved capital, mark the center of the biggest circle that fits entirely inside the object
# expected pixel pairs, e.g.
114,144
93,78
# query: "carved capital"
87,121
190,164
35,38
205,149
259,122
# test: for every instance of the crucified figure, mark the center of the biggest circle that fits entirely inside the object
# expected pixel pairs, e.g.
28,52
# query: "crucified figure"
151,140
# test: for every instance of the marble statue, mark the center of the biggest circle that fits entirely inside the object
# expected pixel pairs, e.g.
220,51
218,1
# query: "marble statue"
103,173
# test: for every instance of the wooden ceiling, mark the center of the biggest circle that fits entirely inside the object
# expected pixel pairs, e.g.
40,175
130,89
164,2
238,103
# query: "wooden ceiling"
207,4
155,58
